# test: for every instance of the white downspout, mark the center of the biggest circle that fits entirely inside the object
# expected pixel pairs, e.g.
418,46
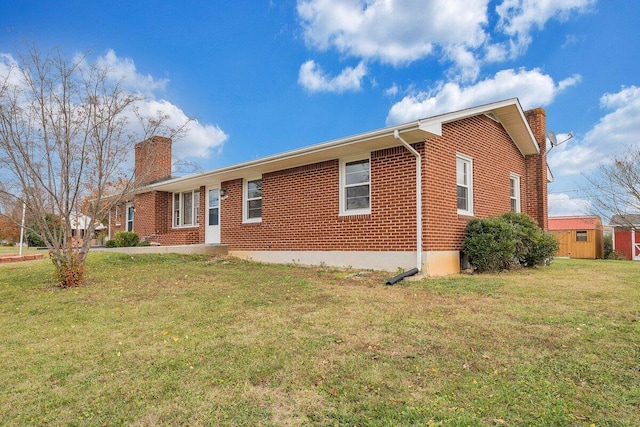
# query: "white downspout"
396,134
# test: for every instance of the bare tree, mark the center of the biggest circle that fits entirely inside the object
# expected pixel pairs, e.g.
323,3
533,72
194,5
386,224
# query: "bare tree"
616,188
67,134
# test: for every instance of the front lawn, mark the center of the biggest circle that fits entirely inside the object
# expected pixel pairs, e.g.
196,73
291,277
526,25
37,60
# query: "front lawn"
190,340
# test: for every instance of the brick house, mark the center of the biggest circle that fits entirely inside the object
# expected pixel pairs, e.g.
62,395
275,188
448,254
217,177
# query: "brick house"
354,201
626,236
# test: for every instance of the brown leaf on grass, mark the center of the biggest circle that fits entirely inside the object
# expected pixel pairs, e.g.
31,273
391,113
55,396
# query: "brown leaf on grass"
500,422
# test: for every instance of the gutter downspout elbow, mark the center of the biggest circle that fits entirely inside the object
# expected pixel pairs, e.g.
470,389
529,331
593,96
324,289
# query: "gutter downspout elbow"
418,157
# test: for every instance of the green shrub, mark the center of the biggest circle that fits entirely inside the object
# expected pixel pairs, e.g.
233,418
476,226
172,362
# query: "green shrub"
495,244
609,252
533,245
127,238
489,244
543,246
123,239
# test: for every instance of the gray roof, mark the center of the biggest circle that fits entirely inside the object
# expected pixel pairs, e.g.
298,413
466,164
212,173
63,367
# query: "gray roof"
626,220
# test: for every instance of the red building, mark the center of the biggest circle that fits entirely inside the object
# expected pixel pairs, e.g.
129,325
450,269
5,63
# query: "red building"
626,236
355,201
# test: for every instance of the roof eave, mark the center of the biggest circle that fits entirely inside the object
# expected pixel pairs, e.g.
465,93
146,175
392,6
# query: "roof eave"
412,132
508,112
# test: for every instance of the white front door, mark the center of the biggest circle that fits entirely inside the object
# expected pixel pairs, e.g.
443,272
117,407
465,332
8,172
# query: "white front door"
212,216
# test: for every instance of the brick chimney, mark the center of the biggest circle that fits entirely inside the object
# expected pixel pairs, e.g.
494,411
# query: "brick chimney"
536,166
153,160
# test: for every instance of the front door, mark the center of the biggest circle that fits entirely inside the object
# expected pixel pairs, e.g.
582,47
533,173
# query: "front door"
635,244
212,217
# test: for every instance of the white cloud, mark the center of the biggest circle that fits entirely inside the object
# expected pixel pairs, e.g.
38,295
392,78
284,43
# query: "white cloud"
563,205
518,18
9,71
399,32
201,140
394,32
314,79
125,69
532,87
392,91
615,131
573,158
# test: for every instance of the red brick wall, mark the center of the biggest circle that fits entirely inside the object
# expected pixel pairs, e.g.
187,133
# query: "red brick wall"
146,214
117,220
153,160
537,206
300,209
153,220
494,158
183,235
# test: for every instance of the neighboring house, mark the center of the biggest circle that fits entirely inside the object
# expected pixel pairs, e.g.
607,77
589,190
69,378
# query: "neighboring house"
626,236
578,236
79,225
354,201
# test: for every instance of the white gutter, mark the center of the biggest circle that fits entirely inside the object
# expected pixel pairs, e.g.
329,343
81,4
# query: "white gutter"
396,134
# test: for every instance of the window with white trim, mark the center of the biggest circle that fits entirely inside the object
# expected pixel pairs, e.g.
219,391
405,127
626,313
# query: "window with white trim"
186,208
252,195
355,187
464,181
130,212
514,181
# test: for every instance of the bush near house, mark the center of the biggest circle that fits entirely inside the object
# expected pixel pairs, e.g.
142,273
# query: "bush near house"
124,239
494,244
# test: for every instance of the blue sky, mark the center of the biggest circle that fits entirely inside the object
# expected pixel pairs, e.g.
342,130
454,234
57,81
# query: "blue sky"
262,77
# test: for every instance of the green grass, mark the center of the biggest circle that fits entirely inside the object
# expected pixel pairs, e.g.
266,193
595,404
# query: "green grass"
179,340
15,250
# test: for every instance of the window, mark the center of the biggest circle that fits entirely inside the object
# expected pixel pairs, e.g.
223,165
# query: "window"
253,200
118,221
464,181
515,193
130,212
581,236
355,191
186,208
214,207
